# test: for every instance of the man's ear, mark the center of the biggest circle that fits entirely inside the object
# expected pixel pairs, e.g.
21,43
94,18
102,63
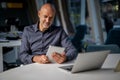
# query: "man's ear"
39,12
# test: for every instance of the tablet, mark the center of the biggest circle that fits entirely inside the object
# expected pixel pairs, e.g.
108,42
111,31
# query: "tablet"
52,49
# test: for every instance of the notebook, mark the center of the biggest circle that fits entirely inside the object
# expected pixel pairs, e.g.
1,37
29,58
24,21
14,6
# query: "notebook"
52,49
87,61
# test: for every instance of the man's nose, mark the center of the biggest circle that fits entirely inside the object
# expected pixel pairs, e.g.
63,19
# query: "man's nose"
47,19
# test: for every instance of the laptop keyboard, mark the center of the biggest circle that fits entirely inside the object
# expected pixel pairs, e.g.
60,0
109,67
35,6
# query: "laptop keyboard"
69,67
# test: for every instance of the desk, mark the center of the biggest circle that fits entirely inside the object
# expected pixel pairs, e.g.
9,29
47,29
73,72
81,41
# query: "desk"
37,71
116,26
12,43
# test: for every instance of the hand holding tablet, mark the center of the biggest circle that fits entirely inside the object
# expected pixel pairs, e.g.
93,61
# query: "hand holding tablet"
53,50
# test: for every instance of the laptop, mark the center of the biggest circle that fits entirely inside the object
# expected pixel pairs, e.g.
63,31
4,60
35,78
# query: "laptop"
87,61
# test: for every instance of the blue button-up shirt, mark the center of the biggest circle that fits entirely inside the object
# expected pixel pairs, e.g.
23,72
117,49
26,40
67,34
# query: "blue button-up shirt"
35,42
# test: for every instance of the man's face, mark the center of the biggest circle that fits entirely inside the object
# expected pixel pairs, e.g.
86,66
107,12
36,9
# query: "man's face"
46,17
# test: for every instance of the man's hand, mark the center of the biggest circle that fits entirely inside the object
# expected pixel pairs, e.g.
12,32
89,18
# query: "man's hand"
42,59
59,58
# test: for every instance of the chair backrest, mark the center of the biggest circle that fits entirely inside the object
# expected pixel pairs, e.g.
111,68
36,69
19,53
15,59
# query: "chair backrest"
112,47
79,36
113,37
12,21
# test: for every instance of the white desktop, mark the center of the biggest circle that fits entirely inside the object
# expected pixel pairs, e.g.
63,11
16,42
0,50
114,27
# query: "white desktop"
37,71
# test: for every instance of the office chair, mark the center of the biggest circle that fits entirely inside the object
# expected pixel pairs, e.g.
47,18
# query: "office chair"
12,21
79,35
112,47
13,24
113,37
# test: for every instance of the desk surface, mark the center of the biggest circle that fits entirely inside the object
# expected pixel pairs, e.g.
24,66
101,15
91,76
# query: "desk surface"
37,71
11,43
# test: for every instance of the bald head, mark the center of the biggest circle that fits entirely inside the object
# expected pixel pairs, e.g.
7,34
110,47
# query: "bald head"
46,16
48,6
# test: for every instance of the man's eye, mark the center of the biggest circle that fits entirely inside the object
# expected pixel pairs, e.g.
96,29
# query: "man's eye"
45,16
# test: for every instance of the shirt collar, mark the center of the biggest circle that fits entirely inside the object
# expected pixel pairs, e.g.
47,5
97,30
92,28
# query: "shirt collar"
36,27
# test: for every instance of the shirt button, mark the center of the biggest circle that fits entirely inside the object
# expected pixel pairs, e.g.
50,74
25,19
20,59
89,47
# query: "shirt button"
41,49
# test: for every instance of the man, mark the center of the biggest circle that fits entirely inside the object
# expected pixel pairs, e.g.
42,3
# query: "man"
37,38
